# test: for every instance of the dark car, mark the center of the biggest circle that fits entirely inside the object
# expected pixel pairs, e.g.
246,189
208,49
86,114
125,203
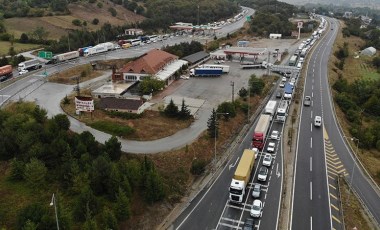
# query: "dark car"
249,224
279,94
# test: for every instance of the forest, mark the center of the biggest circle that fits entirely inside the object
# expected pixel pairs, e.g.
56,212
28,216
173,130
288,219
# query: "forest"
93,183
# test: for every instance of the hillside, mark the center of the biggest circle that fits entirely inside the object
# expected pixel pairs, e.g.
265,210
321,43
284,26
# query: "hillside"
84,11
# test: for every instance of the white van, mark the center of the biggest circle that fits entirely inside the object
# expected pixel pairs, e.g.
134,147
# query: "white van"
317,121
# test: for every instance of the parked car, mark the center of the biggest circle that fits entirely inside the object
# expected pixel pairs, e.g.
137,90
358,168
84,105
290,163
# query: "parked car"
184,77
256,190
282,85
267,160
257,209
24,71
274,135
271,147
249,224
307,101
263,174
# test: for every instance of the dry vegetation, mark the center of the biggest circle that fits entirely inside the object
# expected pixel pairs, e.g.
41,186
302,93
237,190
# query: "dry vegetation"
58,26
355,68
354,214
84,72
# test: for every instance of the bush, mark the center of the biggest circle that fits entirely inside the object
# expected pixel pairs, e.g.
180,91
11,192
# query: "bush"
95,21
99,5
198,166
77,22
112,11
123,115
113,128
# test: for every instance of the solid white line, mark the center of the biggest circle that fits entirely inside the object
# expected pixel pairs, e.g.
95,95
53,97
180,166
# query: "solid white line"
311,190
311,142
311,164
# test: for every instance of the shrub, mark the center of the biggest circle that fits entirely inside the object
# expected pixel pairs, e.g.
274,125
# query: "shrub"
198,166
76,22
99,5
95,21
112,11
123,115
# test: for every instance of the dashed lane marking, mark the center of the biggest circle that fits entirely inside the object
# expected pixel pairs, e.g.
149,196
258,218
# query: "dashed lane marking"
336,208
331,186
333,196
336,219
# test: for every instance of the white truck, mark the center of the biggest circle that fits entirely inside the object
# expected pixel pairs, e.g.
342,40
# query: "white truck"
65,57
29,65
270,108
282,111
242,175
96,50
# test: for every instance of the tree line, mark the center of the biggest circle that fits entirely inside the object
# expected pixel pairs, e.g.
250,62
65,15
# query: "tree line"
46,157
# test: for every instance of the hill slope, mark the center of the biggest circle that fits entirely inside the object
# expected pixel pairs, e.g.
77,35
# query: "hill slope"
58,25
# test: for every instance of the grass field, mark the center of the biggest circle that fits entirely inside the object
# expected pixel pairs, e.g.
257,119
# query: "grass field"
58,26
19,47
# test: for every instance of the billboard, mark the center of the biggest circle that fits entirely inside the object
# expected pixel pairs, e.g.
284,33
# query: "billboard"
84,104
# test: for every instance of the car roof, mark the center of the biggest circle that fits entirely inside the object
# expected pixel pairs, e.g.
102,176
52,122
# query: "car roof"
256,202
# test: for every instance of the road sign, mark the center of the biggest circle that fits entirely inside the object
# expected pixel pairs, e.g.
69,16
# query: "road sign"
248,18
45,54
299,24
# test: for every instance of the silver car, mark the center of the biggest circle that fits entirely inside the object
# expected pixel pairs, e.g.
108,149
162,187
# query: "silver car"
256,191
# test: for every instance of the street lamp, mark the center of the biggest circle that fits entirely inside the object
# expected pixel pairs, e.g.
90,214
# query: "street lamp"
215,127
53,202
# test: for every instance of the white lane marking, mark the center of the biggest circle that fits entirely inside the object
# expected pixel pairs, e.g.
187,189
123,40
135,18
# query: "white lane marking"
311,190
233,165
311,114
311,223
311,142
312,94
311,127
311,164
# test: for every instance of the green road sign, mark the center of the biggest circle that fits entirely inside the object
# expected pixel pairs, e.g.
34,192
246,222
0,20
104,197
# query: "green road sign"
45,54
248,18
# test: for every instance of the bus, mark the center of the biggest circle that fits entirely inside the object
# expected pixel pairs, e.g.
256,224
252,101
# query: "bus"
293,60
153,38
134,42
282,111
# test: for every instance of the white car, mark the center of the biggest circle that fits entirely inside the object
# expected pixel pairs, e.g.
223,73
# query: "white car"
256,190
282,85
267,160
24,71
257,209
271,147
185,77
317,121
263,174
283,79
274,135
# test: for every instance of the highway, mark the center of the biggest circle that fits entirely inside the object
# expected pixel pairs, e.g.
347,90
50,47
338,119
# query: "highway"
315,203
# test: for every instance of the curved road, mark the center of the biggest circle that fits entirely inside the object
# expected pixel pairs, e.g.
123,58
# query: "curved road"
49,95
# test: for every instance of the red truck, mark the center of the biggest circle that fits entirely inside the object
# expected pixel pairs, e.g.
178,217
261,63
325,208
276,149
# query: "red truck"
6,72
261,130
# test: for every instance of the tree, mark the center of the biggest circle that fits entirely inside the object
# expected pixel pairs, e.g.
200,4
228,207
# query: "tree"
24,38
184,113
112,11
40,33
100,174
95,21
113,148
150,85
212,125
227,107
90,223
76,22
12,51
123,211
243,92
62,121
154,189
17,169
171,109
256,84
109,220
85,201
29,225
35,173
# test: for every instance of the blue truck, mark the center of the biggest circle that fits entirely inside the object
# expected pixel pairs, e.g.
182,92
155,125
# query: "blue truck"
206,72
288,91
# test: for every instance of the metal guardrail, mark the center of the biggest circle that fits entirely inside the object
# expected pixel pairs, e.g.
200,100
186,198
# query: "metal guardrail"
340,201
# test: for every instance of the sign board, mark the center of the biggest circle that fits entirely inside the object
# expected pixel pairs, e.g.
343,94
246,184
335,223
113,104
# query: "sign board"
299,24
45,54
85,104
248,18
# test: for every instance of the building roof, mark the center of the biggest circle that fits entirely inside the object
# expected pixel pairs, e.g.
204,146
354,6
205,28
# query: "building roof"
170,69
149,63
113,88
116,103
369,51
194,58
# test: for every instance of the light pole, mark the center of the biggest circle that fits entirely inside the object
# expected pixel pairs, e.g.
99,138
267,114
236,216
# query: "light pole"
249,104
233,85
215,127
53,202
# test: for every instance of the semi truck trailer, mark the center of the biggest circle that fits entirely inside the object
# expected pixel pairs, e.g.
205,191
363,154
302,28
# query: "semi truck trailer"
6,72
242,175
270,108
29,65
261,130
205,72
65,57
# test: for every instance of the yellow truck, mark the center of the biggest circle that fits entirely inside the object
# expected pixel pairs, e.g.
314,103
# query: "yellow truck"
242,175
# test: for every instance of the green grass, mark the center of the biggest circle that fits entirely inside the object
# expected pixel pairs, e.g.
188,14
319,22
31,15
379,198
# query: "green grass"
4,47
371,75
112,128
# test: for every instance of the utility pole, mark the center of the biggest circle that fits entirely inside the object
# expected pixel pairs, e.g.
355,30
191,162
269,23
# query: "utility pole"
232,84
249,104
198,14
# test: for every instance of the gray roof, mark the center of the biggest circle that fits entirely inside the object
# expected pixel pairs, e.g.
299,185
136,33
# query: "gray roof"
369,51
193,58
116,103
